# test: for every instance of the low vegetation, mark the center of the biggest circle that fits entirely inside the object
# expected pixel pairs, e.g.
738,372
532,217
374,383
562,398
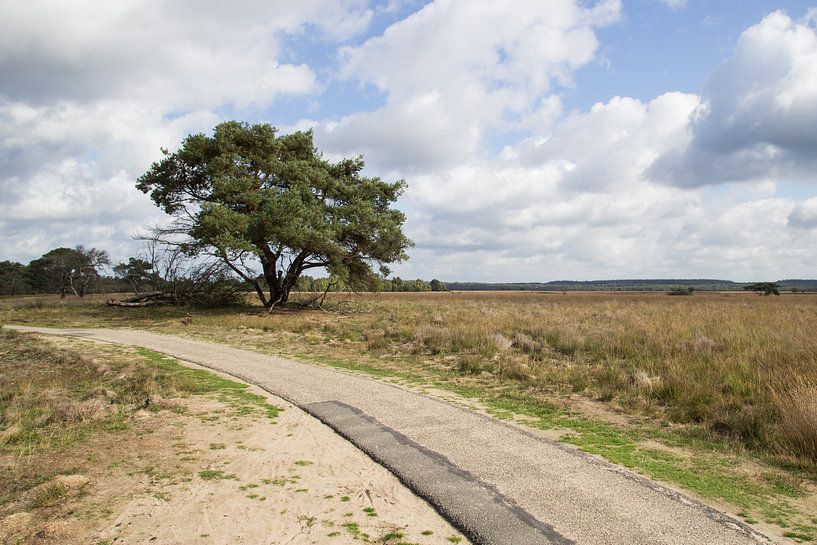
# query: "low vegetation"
738,367
53,399
690,390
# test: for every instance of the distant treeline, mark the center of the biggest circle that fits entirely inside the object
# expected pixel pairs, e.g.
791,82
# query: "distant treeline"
310,284
627,285
78,271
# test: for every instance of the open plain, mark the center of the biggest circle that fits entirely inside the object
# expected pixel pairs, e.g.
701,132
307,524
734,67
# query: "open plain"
692,391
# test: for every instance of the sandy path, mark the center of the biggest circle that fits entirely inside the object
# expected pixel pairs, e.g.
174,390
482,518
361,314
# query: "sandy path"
580,498
293,481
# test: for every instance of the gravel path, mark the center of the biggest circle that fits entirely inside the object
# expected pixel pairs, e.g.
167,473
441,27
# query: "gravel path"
496,482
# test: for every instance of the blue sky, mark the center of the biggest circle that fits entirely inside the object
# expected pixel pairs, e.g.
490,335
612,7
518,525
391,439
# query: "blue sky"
654,49
540,140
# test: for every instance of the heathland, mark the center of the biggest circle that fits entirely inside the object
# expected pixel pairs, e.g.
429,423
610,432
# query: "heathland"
714,393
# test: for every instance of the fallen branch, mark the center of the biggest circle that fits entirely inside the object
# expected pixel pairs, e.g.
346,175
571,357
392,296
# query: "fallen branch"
143,300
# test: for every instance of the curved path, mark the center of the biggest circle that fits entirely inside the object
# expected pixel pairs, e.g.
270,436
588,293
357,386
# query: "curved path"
494,481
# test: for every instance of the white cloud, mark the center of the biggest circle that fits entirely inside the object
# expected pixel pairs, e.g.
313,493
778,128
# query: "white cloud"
184,55
804,215
615,142
680,185
583,195
674,4
455,70
580,201
90,91
758,114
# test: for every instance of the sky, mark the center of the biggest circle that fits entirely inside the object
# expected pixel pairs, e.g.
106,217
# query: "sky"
540,139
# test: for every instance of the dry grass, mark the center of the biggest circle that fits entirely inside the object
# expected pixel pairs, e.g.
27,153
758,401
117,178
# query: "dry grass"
716,360
797,407
68,408
722,362
50,396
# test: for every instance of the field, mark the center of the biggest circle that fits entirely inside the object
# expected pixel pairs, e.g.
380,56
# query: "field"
715,393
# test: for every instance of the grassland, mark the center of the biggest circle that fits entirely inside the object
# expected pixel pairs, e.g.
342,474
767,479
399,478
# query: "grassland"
65,414
716,393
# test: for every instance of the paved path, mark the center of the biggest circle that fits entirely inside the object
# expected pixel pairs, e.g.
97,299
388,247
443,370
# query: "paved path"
496,482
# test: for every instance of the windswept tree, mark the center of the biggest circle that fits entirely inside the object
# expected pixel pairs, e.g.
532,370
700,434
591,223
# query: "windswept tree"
87,265
265,202
65,270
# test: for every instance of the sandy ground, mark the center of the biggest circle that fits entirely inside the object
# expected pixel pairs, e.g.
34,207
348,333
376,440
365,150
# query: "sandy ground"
209,476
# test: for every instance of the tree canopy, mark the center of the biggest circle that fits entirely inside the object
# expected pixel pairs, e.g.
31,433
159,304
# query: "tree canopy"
252,197
137,272
65,269
764,288
12,278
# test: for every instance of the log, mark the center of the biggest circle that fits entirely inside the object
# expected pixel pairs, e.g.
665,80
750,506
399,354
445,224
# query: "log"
143,297
114,303
142,300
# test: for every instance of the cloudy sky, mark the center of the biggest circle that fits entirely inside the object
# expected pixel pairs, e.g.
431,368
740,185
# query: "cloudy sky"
541,139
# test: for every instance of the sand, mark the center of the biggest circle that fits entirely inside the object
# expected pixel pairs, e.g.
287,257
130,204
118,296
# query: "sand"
294,481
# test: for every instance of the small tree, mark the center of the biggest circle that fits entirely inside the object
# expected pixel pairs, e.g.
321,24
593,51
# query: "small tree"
436,285
85,273
764,288
257,200
135,272
64,270
12,278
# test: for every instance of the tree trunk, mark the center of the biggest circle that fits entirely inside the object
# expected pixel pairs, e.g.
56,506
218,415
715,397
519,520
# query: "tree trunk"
278,295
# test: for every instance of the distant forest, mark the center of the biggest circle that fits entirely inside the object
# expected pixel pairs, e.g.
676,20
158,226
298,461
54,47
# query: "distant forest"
78,271
701,284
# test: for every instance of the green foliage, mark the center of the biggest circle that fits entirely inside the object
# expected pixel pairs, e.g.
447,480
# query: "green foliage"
65,270
436,285
137,273
766,288
307,283
250,197
682,291
12,278
398,284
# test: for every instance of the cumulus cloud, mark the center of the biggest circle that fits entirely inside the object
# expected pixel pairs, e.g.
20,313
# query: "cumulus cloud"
613,142
183,55
454,70
758,112
804,215
592,192
90,91
675,185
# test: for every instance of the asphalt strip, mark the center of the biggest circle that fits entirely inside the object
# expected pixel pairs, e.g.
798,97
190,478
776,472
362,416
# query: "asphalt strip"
472,506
